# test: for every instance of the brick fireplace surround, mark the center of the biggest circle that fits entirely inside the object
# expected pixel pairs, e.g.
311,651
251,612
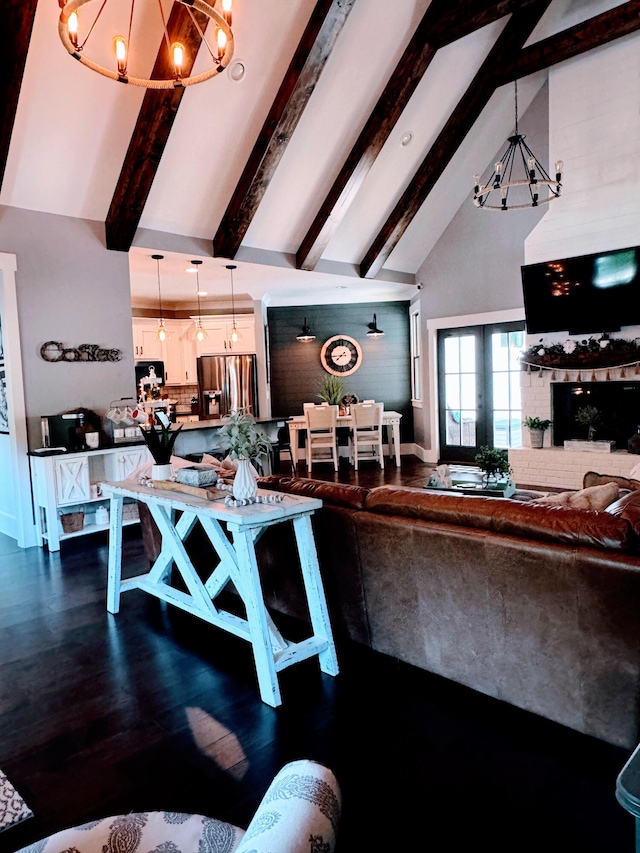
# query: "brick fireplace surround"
594,126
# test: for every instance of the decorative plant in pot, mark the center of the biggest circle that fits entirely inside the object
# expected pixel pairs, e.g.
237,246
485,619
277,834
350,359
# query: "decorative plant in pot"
160,439
590,417
537,428
331,390
494,463
247,442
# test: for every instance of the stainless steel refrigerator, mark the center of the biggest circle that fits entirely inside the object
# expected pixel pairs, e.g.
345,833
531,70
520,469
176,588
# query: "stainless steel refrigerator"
227,383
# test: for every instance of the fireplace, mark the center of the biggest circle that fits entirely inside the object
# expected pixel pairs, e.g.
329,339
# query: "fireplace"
618,403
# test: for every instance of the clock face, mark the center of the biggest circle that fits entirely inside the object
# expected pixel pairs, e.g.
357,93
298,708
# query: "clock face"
341,355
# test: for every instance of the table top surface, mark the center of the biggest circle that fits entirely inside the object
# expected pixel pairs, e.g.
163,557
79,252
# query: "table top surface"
244,516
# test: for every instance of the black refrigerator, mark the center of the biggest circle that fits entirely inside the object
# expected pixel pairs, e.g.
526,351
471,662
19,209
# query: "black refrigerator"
226,384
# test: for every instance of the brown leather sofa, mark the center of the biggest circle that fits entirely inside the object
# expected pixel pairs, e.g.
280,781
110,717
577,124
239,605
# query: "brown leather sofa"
535,605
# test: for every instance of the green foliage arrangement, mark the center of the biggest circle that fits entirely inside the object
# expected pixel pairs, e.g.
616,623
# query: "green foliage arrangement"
331,390
537,423
160,440
493,461
588,416
242,437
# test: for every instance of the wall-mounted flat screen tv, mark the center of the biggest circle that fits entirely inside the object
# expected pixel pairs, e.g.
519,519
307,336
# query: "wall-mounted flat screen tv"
590,293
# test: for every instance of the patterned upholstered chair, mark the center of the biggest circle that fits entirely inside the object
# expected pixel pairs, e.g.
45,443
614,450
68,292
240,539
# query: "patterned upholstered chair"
299,813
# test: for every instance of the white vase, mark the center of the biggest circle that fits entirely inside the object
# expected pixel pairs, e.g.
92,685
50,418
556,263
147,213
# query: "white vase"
245,485
161,472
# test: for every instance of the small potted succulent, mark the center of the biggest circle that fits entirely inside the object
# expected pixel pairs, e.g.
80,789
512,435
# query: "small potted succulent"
537,428
247,442
494,463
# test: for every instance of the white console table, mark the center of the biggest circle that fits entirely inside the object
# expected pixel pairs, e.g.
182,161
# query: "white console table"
238,564
63,483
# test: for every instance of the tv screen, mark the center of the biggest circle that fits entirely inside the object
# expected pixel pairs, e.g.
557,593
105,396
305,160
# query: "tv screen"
590,293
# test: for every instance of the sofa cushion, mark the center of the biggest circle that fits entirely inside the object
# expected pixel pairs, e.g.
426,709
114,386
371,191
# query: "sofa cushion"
338,494
593,497
565,525
591,478
628,507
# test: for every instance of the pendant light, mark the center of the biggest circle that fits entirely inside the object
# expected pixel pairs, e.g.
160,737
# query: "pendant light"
162,332
306,335
234,337
374,331
199,334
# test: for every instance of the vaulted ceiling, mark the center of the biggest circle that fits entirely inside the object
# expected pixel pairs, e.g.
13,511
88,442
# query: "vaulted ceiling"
337,160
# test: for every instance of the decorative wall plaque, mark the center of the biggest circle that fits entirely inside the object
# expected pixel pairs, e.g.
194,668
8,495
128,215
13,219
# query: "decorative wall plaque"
55,351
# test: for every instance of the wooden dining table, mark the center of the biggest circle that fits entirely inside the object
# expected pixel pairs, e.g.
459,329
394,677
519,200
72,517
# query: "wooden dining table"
390,420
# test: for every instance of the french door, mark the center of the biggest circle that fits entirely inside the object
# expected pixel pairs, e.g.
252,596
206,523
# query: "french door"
479,389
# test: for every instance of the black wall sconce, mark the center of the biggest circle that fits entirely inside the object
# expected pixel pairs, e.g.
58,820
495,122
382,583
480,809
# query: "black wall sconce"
374,331
306,335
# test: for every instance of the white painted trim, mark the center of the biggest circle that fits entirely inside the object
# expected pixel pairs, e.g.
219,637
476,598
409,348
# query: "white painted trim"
23,527
433,325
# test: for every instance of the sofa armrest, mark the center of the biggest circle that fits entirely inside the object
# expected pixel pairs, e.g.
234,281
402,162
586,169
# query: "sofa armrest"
299,811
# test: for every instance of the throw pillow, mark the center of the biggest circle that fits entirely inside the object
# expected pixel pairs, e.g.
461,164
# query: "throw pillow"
593,498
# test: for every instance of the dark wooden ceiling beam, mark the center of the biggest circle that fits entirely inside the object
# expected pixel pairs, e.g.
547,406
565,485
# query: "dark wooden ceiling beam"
17,24
597,31
509,43
316,44
151,133
443,23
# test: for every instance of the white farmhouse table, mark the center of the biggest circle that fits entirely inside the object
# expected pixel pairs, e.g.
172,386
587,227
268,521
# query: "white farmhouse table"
390,419
272,653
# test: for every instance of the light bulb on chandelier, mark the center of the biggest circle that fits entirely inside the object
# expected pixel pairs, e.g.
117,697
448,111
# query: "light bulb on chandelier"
71,25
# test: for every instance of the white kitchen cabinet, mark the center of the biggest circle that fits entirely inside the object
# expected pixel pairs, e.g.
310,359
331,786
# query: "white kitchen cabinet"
146,345
69,483
219,333
179,353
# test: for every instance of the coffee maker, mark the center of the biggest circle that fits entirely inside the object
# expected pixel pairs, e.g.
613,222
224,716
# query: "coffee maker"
63,431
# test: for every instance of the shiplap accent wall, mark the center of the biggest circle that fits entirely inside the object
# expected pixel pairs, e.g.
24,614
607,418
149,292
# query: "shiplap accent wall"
384,376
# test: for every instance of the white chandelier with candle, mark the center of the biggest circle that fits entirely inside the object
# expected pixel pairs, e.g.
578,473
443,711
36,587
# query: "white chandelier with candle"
76,25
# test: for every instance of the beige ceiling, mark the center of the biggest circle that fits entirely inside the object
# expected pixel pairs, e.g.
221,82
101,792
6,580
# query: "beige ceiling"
72,128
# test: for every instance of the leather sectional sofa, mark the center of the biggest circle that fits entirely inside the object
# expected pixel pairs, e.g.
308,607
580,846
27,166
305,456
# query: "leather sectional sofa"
536,605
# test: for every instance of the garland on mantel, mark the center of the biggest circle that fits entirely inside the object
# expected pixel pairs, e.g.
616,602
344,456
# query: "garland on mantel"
599,355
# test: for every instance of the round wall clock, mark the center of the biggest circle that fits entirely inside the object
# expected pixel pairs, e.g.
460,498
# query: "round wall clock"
341,355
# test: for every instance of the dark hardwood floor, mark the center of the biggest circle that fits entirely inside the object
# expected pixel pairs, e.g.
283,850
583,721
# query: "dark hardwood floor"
152,709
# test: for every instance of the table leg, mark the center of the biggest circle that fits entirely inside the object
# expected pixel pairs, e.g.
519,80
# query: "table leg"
257,618
293,445
396,442
115,554
315,592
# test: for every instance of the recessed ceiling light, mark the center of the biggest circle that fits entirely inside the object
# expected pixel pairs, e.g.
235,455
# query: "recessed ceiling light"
190,269
203,293
406,139
341,286
237,71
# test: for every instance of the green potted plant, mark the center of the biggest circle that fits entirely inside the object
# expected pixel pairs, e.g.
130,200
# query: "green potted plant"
590,417
494,463
247,442
160,439
331,390
537,428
